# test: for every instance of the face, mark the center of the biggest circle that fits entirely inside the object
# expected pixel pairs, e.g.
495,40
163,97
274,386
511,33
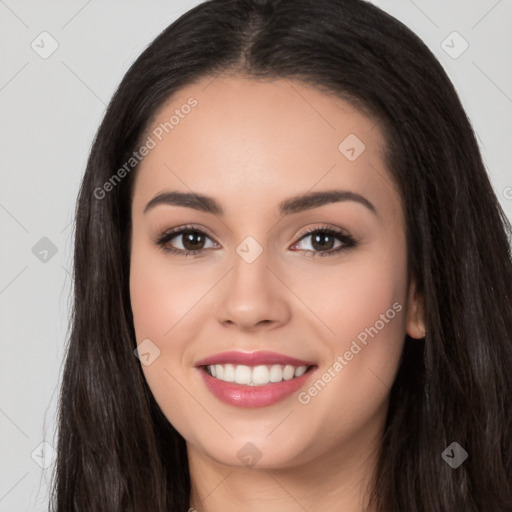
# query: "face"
294,262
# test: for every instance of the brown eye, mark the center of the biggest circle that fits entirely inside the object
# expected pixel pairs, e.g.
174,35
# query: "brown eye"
323,242
192,241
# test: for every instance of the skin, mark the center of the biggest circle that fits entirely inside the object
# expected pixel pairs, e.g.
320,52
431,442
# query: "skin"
250,145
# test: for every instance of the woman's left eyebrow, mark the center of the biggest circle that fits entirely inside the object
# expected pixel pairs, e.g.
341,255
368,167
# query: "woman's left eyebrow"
290,206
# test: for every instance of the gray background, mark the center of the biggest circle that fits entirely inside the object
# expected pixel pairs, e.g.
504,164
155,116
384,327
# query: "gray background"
50,109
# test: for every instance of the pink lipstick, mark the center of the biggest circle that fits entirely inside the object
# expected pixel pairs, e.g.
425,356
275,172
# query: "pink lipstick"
254,379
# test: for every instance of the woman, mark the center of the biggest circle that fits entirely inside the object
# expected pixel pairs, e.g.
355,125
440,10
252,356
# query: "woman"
248,138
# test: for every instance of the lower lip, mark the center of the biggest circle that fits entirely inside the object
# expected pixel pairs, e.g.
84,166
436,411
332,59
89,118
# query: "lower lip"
241,395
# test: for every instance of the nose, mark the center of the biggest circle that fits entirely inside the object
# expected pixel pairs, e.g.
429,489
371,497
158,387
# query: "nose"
253,296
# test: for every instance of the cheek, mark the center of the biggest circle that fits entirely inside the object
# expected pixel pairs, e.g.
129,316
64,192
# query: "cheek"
363,309
364,305
162,297
162,294
349,298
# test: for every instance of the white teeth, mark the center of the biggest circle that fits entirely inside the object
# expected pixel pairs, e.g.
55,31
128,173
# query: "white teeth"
288,372
255,375
242,374
301,370
229,373
260,375
276,373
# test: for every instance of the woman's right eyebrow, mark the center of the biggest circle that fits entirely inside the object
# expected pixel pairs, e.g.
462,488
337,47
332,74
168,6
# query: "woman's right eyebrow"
290,206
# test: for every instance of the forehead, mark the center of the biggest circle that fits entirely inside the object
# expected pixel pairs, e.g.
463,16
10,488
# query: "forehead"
272,138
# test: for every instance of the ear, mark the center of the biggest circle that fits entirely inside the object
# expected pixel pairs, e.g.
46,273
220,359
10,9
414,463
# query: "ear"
415,319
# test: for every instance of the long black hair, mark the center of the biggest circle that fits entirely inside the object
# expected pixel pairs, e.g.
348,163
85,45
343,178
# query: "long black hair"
116,449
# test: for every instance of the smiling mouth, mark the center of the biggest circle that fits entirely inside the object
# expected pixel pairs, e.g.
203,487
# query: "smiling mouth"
260,375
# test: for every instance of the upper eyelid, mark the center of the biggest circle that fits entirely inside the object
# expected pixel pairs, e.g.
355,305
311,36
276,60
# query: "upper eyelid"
180,230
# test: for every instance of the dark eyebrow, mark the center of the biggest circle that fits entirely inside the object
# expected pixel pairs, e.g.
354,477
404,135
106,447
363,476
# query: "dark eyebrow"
289,206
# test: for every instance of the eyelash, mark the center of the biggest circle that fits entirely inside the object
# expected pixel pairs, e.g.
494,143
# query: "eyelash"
347,240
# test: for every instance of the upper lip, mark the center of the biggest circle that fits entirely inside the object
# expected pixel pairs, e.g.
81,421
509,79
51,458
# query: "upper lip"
252,359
